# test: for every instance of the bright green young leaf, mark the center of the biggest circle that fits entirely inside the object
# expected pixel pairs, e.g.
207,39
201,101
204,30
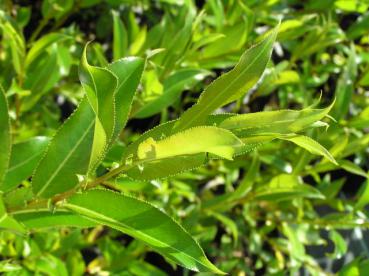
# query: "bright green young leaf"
23,160
231,85
160,168
5,137
217,141
310,145
142,221
129,71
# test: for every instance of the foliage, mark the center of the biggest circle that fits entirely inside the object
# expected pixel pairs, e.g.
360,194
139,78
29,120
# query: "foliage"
177,124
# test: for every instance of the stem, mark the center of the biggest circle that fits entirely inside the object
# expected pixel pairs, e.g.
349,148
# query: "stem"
41,203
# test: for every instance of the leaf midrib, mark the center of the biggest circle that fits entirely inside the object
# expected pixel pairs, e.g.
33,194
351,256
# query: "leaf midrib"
56,172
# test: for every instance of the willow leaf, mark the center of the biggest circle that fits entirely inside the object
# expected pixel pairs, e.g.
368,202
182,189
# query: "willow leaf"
67,155
310,145
231,85
5,137
218,141
281,121
142,221
23,160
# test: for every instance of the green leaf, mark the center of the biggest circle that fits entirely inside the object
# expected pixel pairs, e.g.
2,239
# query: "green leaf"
363,196
129,71
5,137
41,77
345,86
23,160
285,187
42,44
281,121
231,85
142,221
99,85
7,221
218,141
310,145
15,40
44,218
174,85
68,154
340,246
120,37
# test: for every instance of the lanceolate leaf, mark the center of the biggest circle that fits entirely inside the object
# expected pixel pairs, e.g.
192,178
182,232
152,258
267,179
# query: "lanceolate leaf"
231,85
5,138
67,155
282,121
310,145
142,221
129,71
24,159
218,141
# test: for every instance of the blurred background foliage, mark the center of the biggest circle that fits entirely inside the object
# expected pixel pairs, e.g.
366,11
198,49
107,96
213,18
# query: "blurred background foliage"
278,210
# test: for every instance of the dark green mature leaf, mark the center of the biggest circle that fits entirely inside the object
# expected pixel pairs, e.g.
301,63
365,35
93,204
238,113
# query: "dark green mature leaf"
44,218
129,71
143,221
5,137
231,85
68,154
23,160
